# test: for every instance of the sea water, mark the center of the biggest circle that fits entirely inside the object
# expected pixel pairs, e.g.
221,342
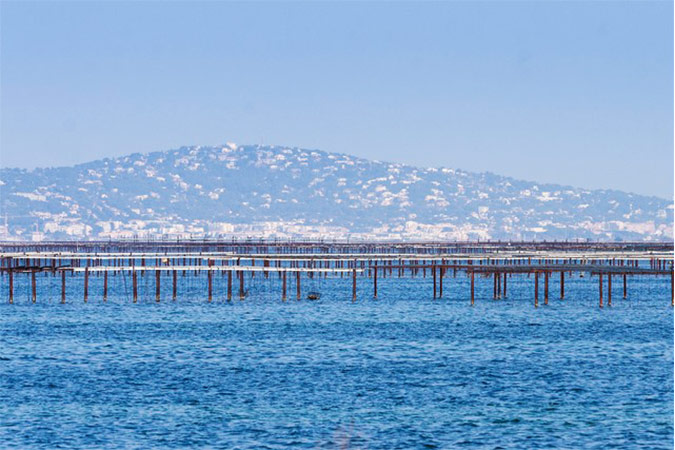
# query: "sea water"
403,371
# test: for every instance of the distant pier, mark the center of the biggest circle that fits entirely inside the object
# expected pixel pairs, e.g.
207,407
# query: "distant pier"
294,263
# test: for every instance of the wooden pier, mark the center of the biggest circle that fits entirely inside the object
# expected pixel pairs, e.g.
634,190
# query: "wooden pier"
302,262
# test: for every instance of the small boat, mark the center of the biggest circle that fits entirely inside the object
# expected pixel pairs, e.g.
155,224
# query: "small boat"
313,295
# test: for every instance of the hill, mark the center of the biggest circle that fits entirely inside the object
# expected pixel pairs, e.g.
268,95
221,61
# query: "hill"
285,192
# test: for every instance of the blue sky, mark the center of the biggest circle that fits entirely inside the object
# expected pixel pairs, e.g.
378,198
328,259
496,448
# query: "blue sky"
577,93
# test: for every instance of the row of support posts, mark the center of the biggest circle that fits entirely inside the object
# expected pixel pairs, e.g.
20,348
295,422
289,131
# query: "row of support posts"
625,289
242,292
546,283
500,285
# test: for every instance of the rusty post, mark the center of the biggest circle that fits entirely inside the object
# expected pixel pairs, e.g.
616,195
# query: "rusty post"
546,274
63,286
11,286
86,283
499,285
283,286
33,287
536,289
297,284
625,292
472,288
229,285
494,286
354,285
157,285
209,276
174,284
105,286
134,282
505,278
375,281
440,282
600,288
241,285
609,289
433,273
562,285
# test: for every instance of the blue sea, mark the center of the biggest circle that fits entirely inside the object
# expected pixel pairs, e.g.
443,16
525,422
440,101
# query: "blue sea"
402,371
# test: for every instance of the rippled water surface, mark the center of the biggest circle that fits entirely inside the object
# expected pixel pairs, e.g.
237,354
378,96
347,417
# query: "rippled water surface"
403,371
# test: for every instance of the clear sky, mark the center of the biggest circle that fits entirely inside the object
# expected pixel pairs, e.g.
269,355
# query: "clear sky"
578,93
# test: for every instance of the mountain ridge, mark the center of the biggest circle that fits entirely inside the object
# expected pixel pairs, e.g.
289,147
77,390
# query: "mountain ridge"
418,167
278,191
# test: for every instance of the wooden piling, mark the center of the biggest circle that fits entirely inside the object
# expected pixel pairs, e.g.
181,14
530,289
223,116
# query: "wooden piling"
536,289
499,285
494,286
433,273
354,285
11,286
241,285
157,285
600,288
174,284
375,281
86,283
229,285
134,282
440,282
625,292
609,289
562,285
63,286
472,288
105,286
546,275
33,286
283,286
297,285
209,276
505,278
